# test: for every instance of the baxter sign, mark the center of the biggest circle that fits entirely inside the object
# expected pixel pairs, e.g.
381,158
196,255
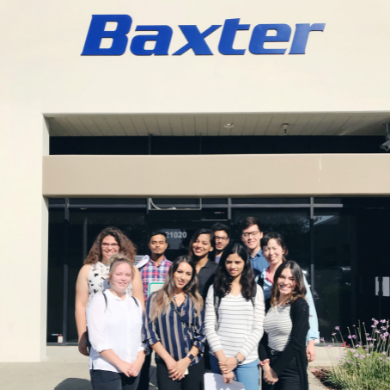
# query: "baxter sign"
196,40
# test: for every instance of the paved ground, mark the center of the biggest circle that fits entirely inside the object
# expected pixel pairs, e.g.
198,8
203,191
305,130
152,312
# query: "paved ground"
66,369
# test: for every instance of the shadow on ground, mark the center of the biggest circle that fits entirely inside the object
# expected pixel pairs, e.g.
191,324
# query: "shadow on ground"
74,384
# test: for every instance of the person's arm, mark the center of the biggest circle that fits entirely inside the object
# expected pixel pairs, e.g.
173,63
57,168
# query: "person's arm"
97,334
82,294
209,324
199,340
138,291
313,333
300,326
256,334
136,365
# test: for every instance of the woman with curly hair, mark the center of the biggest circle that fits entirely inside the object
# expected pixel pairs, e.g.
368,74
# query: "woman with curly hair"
174,328
283,347
93,275
234,318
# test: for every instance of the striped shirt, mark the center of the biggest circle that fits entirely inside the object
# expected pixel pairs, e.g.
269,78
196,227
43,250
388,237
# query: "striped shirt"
240,324
176,337
278,326
151,272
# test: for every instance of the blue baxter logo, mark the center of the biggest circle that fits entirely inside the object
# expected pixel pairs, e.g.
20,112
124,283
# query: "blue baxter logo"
196,40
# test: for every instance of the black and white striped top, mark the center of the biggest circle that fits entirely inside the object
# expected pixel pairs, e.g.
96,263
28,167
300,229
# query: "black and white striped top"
278,326
240,325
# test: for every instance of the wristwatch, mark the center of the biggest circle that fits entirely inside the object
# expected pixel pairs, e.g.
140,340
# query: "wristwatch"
238,360
191,356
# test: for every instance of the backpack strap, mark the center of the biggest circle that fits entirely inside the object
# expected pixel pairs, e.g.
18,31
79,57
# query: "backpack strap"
105,300
135,300
217,303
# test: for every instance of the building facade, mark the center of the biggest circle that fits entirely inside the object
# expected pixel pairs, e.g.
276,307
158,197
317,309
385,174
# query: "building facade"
113,111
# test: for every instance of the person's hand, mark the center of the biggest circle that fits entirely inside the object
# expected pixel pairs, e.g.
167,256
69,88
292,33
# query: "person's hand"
171,363
136,366
228,364
82,344
311,351
177,373
228,378
124,367
269,375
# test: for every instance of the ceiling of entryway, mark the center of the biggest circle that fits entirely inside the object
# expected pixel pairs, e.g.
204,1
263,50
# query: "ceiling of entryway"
215,124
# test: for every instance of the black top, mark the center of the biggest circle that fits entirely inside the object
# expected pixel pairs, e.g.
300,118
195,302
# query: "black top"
206,277
296,347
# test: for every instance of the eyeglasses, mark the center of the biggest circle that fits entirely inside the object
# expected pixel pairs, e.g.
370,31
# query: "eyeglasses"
106,245
250,234
221,238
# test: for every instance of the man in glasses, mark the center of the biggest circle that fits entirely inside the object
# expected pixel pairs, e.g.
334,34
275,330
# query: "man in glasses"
222,239
251,235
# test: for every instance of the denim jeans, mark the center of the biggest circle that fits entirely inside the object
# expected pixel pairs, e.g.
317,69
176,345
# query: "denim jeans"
247,374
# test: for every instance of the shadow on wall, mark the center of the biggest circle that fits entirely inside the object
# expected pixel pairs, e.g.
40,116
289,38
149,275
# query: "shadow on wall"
74,384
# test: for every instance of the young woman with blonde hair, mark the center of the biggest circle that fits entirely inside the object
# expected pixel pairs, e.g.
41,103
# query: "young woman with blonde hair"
283,347
114,320
92,276
174,328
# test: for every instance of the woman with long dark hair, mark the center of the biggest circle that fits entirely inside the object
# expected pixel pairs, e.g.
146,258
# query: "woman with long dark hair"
174,328
275,252
92,277
283,347
234,318
201,250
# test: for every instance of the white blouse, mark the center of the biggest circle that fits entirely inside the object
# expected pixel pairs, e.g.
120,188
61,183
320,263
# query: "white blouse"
115,326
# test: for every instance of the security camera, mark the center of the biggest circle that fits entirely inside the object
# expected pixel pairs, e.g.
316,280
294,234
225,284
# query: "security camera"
385,146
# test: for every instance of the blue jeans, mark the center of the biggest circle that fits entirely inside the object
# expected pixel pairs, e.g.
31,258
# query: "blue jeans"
247,374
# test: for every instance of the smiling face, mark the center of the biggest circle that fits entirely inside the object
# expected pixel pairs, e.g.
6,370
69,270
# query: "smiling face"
182,275
234,265
120,277
286,283
251,237
273,252
202,246
109,247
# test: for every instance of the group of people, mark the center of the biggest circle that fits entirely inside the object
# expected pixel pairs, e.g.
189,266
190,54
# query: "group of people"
228,306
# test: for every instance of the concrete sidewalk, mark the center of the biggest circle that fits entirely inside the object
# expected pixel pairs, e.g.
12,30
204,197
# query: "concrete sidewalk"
66,369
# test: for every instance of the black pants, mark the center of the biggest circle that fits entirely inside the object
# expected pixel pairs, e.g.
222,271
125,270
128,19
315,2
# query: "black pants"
192,381
288,380
144,375
107,380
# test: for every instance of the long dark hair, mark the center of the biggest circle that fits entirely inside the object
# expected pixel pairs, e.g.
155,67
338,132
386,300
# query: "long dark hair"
210,233
163,297
222,282
299,290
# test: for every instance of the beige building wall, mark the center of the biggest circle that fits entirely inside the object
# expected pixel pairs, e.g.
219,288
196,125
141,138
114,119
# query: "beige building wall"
23,236
42,73
190,176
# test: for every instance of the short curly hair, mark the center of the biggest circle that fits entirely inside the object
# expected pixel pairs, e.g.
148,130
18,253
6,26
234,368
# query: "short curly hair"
126,247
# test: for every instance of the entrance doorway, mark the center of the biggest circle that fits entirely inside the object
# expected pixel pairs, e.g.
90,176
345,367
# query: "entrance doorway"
340,243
